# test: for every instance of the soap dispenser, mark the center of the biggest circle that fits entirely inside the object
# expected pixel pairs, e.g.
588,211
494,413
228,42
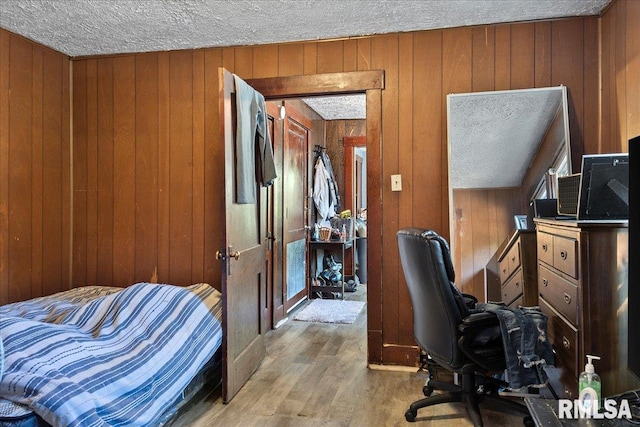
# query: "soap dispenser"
589,387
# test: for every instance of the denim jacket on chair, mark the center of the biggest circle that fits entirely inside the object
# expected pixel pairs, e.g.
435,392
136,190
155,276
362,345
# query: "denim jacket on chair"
527,347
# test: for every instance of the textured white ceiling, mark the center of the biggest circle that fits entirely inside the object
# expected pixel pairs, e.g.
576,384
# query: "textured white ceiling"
96,27
100,27
493,136
342,107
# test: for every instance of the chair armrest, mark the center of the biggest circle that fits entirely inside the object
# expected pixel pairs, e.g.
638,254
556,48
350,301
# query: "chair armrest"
478,321
470,298
481,340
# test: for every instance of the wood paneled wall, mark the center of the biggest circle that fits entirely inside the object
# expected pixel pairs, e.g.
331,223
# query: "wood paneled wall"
35,221
145,195
620,65
141,117
145,127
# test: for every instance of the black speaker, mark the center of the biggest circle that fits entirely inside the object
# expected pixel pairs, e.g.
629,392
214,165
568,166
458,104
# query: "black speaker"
568,194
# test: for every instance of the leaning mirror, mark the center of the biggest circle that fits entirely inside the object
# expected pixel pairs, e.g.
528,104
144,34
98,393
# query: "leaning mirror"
505,149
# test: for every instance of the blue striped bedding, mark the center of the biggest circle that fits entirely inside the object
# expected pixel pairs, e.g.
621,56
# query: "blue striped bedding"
96,356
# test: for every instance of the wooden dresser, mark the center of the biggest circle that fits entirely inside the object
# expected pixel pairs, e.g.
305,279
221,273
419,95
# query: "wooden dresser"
582,282
512,271
517,269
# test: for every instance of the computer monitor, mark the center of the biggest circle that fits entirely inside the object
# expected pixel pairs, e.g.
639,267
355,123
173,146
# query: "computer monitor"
604,187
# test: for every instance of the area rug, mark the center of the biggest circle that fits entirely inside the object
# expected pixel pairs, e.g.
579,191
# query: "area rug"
330,311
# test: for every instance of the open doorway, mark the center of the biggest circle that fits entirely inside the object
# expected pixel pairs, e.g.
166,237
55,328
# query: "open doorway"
307,130
371,84
334,266
338,213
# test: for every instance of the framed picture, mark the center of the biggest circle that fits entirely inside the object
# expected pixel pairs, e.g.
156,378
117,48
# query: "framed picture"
521,222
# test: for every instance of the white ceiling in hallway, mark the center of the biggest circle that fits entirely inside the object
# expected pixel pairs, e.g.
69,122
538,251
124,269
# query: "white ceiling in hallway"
339,107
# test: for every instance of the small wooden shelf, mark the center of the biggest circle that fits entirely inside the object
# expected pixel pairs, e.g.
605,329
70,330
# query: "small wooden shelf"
338,247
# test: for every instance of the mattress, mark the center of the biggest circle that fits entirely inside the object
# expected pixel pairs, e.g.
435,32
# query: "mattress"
97,356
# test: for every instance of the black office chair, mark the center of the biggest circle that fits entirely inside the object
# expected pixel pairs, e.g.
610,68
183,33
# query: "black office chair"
448,330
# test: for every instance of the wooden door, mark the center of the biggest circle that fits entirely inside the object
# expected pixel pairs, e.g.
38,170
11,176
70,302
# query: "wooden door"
294,178
243,271
273,312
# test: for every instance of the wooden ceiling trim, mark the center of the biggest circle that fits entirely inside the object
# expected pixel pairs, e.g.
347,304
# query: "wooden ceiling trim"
318,84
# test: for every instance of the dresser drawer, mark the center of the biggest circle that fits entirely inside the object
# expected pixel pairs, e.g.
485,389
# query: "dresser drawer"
545,248
560,293
510,262
513,288
505,272
564,339
513,257
518,302
565,255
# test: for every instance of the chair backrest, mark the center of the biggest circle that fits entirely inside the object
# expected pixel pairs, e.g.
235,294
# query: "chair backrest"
429,273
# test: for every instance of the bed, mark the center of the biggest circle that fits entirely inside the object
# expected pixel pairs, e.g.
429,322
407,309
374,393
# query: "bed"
98,356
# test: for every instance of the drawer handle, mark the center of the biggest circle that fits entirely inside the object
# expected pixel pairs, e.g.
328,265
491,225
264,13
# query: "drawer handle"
504,270
513,259
563,255
567,298
545,282
517,284
566,343
545,247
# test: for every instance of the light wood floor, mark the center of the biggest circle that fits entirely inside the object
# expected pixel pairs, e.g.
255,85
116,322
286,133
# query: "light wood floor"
316,374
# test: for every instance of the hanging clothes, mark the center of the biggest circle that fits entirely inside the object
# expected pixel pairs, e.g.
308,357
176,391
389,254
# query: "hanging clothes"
253,144
321,191
325,188
327,164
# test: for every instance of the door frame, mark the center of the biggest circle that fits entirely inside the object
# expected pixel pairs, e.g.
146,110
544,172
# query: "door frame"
370,83
274,250
350,143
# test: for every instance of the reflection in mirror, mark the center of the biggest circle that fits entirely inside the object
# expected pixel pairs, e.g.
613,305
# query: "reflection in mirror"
505,149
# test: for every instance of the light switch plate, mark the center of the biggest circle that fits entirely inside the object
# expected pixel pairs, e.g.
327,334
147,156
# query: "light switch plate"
396,182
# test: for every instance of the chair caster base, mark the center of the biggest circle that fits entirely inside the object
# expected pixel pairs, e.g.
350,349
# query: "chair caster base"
410,415
528,421
427,390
